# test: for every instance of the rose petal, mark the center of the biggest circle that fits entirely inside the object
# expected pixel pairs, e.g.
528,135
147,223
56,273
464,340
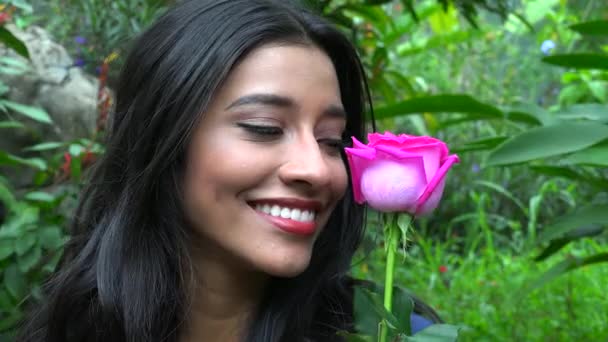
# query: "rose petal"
434,190
358,160
390,185
432,200
395,153
432,155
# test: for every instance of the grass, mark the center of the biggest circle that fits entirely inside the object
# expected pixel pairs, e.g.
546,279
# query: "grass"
483,292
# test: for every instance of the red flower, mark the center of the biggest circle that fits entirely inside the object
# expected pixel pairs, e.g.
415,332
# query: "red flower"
443,269
65,167
4,17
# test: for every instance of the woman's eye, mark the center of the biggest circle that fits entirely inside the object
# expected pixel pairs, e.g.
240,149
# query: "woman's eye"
261,130
334,145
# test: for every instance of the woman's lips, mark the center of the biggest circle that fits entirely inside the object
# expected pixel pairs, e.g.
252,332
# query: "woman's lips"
289,225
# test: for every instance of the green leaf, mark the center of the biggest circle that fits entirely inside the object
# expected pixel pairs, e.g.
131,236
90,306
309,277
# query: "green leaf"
369,311
9,39
11,321
587,111
437,104
24,243
480,144
579,60
501,190
592,28
595,156
24,5
568,173
11,124
34,113
403,306
436,333
11,160
45,146
28,260
7,248
39,196
15,282
548,141
6,195
587,216
567,265
51,237
557,244
76,149
531,114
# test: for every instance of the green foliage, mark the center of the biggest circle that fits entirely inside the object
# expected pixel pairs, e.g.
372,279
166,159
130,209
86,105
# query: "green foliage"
529,155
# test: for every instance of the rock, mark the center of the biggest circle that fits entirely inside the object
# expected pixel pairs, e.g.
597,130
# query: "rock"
68,94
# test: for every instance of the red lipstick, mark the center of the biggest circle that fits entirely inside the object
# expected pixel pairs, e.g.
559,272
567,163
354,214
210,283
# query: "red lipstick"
286,224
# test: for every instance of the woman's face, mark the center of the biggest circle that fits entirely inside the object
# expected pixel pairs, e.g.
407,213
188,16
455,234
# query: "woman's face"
264,169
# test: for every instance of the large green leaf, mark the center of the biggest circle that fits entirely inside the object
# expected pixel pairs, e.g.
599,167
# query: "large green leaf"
595,155
438,104
587,216
531,114
548,141
9,39
480,144
592,28
588,111
34,113
579,60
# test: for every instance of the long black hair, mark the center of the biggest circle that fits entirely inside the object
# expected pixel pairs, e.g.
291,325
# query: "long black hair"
127,269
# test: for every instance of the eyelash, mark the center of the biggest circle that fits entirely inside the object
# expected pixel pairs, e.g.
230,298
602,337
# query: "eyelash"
261,130
272,131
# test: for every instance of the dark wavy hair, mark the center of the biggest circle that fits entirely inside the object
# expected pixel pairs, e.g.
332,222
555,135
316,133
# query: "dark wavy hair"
127,268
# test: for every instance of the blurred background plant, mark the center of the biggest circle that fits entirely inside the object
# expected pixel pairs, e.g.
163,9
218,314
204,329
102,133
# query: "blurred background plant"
519,89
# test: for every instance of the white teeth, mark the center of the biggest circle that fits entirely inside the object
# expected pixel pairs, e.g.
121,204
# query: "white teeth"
288,213
295,214
285,213
275,210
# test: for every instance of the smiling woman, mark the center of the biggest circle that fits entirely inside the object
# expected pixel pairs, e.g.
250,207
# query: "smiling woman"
222,209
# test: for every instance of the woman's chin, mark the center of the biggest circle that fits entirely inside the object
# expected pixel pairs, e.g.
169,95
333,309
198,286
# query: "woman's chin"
286,266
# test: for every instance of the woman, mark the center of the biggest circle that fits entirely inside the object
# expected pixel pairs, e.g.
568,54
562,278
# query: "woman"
221,210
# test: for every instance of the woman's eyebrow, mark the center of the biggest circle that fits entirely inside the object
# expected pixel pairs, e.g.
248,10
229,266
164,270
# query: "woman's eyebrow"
333,111
263,99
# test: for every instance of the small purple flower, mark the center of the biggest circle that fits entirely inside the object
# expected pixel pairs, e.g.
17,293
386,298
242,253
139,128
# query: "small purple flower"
475,168
547,46
80,40
79,62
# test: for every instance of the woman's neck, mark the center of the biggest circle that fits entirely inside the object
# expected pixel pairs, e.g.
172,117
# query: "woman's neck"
224,298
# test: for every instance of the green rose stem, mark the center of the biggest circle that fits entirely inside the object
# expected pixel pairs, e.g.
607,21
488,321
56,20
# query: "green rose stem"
395,231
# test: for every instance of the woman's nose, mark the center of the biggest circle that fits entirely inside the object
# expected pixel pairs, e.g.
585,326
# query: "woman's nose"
306,163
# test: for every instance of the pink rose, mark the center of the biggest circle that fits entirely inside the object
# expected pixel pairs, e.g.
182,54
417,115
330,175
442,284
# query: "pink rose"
401,173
